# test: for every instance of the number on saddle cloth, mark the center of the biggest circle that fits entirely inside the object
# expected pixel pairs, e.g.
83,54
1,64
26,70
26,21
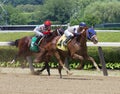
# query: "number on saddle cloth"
60,43
33,47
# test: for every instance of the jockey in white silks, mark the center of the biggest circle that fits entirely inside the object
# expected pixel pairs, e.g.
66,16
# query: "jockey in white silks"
71,31
42,30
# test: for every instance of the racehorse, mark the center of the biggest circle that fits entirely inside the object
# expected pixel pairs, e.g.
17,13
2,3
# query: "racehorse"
24,51
76,48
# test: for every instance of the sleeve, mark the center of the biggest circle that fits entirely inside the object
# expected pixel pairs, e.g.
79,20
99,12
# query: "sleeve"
46,32
37,28
75,31
38,31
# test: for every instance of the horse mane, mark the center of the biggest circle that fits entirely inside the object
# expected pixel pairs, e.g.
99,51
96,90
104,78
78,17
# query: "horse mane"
83,35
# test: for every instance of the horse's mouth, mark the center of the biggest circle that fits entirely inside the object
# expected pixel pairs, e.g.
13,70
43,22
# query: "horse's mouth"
94,40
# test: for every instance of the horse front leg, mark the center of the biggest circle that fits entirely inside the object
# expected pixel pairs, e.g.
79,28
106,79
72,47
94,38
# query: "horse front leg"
76,56
61,64
94,63
66,63
59,70
80,65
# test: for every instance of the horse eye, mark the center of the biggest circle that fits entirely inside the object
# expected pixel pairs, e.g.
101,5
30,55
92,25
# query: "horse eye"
90,33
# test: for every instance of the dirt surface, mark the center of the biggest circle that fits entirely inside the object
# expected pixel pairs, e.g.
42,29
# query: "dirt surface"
20,81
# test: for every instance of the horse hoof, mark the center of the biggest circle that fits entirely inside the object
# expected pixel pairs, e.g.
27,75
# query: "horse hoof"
36,61
33,73
98,70
70,73
37,72
79,68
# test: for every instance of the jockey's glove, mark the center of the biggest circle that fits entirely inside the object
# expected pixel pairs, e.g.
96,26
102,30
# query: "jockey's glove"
76,34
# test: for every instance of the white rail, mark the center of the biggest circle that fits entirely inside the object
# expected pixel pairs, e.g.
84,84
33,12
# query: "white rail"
5,43
103,44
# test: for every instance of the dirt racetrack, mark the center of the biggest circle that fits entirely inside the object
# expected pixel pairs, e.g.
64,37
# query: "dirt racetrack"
19,81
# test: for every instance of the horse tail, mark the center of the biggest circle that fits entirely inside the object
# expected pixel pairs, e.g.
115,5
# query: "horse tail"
16,42
11,43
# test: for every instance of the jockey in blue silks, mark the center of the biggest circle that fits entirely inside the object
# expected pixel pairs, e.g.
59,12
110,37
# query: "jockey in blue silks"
70,32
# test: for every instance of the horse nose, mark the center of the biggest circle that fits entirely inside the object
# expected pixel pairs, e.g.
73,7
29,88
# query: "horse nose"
94,39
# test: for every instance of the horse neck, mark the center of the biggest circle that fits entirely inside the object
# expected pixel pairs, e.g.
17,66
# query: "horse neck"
83,37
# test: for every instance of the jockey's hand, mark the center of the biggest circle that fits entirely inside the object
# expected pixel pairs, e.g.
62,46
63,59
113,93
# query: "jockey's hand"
51,31
76,34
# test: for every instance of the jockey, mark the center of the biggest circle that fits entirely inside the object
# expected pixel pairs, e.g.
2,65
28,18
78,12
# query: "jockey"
70,32
42,30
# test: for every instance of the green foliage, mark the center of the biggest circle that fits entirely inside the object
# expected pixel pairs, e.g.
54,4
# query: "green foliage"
103,12
17,2
60,11
56,10
17,19
28,8
95,11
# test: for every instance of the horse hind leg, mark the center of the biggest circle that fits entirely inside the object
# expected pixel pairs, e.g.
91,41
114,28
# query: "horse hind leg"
42,69
14,59
29,59
94,63
46,66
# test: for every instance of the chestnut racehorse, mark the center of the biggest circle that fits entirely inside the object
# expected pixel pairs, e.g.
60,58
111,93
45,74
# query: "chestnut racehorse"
24,51
76,48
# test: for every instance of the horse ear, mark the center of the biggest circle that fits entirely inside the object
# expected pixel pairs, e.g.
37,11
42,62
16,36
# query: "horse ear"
58,27
92,26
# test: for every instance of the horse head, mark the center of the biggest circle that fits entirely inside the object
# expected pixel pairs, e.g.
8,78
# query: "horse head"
91,35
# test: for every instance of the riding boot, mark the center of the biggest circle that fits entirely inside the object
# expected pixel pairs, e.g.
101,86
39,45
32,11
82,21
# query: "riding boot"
37,41
66,41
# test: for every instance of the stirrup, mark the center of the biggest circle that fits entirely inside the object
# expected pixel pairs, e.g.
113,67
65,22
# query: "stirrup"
64,43
36,44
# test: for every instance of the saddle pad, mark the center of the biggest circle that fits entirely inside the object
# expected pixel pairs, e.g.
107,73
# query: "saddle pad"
33,47
60,43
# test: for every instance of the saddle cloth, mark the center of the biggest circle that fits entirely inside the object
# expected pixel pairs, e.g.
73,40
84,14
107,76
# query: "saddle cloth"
33,47
60,43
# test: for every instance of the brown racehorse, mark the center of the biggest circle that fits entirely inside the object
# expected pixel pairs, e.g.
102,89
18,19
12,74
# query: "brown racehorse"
24,51
77,48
